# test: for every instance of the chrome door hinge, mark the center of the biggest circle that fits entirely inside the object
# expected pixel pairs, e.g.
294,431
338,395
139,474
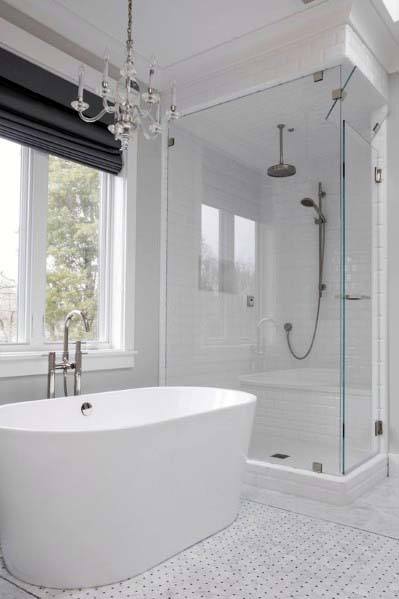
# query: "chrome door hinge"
338,94
171,142
318,76
379,428
378,174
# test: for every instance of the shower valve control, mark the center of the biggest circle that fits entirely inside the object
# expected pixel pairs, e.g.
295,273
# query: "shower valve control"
250,301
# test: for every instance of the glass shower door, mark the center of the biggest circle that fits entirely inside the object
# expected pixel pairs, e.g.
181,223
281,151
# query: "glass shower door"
359,297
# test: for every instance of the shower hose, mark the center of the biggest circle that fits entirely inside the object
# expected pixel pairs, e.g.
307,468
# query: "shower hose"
288,326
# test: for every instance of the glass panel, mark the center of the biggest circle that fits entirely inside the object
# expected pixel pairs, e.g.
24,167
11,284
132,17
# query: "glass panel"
362,109
74,199
209,248
244,253
10,176
249,253
359,408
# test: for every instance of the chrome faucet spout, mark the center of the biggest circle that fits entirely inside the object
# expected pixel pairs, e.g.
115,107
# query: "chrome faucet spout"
67,322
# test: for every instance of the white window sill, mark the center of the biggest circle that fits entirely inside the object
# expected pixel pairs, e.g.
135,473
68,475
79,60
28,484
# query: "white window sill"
32,363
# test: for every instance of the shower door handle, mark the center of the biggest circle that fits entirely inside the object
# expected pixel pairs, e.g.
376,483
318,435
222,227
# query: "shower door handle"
354,298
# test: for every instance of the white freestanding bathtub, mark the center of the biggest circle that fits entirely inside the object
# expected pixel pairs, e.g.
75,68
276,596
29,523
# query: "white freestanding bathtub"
87,500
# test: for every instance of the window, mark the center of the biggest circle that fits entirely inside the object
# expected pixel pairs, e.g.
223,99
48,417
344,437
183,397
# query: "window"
10,165
227,260
209,275
244,254
228,270
75,198
62,246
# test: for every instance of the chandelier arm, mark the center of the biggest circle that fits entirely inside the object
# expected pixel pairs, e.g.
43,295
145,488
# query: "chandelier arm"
109,109
149,126
147,115
92,119
150,135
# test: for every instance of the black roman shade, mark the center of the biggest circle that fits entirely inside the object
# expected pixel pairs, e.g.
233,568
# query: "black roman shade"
35,111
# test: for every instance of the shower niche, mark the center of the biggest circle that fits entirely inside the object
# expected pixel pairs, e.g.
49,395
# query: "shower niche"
272,196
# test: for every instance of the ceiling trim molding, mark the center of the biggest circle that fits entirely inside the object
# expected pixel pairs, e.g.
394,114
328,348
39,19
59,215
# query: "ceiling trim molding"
371,27
360,55
250,47
74,31
33,49
321,51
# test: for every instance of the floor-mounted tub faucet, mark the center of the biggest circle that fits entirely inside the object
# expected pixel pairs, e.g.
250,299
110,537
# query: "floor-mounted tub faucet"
66,365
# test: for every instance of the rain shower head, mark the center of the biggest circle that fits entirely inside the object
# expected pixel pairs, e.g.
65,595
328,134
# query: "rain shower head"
281,169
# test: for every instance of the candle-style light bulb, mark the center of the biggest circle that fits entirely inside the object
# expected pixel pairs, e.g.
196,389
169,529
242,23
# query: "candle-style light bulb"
151,74
106,66
173,95
81,82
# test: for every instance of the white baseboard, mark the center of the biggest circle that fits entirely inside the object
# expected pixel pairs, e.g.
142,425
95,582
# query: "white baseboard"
337,490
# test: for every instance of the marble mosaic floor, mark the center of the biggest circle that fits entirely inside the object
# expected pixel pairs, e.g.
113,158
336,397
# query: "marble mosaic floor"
376,511
268,553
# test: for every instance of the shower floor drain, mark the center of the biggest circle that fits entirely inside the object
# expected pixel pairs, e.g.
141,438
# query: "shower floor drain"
280,456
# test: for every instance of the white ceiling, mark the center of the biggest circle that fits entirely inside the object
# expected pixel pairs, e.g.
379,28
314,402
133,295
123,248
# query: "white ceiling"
172,30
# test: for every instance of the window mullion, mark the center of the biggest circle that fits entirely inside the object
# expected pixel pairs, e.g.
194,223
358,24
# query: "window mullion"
38,246
23,296
105,259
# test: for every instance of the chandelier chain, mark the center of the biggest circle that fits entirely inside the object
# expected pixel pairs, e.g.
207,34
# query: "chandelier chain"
129,21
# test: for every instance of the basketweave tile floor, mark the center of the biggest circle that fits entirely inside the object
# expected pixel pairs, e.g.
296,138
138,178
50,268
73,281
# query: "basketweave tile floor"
266,553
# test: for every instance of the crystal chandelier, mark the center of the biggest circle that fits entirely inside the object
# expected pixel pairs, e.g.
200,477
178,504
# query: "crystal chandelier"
132,109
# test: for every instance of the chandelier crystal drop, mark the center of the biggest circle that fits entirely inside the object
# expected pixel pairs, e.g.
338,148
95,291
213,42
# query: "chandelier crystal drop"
132,108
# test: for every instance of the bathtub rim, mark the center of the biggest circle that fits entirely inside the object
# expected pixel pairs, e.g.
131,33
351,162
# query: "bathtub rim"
247,399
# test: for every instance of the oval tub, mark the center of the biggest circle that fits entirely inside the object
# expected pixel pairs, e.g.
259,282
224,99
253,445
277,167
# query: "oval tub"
87,500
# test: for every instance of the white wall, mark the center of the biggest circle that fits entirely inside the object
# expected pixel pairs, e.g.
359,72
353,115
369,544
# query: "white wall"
393,263
146,306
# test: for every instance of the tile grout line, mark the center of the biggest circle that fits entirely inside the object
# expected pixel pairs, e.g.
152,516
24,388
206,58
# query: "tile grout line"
283,509
19,587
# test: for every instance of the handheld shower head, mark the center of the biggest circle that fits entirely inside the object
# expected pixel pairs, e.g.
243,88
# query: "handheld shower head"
309,203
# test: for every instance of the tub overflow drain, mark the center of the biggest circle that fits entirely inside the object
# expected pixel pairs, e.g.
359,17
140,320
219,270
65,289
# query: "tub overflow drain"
86,408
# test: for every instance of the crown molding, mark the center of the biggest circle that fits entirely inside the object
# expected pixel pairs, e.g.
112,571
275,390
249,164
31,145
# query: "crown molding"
250,47
72,33
372,24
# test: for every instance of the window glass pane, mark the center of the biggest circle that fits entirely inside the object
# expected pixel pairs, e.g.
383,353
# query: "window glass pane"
74,203
209,276
10,177
244,253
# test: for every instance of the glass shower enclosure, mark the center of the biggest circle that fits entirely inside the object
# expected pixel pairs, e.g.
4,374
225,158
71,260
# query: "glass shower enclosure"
270,265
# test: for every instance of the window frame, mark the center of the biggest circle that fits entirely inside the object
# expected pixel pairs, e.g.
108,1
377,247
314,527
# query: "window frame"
116,271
